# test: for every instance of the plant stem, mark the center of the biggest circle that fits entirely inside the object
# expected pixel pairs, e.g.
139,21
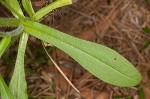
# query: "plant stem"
45,10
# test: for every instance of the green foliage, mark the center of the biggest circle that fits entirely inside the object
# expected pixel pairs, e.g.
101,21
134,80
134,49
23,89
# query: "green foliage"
101,61
18,84
146,30
45,10
15,8
14,32
4,44
141,93
4,90
28,7
147,43
11,22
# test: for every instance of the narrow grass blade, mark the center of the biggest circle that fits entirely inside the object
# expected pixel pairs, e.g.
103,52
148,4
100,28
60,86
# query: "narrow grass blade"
4,90
45,10
18,85
28,7
4,44
103,62
15,32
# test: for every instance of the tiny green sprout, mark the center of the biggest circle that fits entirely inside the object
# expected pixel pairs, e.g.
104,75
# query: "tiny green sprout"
103,62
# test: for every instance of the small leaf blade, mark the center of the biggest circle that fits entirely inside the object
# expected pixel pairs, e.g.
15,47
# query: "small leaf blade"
4,44
10,22
18,85
15,8
28,7
101,61
45,10
4,90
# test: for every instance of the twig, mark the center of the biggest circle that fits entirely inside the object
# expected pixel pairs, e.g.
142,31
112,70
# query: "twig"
60,70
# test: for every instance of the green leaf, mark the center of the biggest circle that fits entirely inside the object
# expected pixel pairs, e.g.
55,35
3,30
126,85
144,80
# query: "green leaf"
141,93
10,22
15,32
45,10
13,11
18,85
28,7
101,61
146,44
14,7
4,44
146,30
5,92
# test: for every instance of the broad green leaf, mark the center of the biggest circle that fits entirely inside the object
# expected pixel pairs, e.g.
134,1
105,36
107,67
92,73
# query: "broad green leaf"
14,7
101,61
146,30
10,22
15,32
28,7
4,44
45,10
18,85
4,90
